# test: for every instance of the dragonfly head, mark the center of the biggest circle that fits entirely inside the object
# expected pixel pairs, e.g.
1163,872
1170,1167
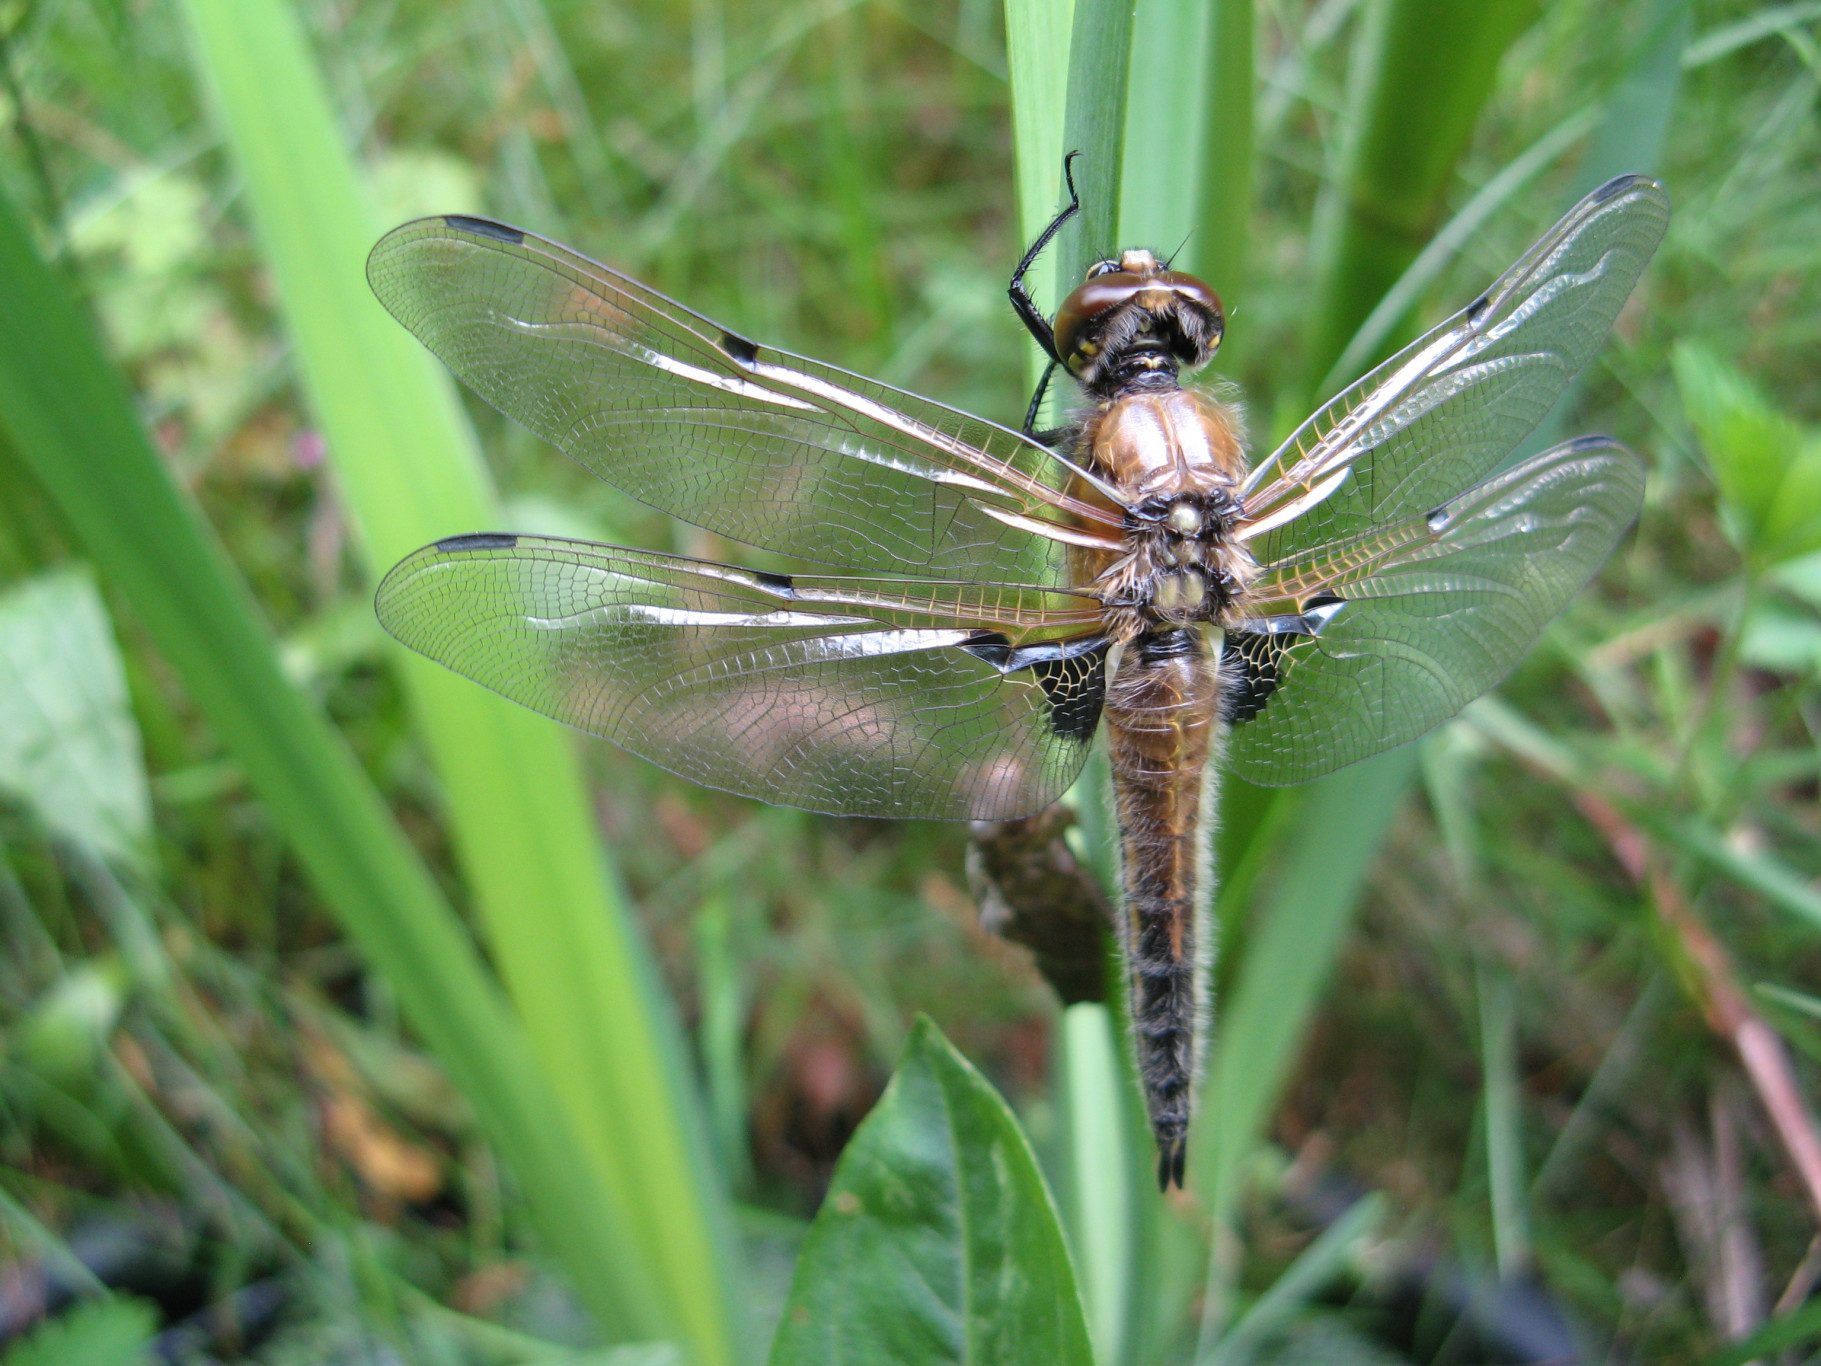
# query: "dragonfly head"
1135,317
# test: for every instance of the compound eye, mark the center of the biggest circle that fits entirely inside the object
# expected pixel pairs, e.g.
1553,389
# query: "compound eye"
1100,268
1101,291
1197,293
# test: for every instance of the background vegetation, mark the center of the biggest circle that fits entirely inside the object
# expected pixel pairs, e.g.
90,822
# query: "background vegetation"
423,1035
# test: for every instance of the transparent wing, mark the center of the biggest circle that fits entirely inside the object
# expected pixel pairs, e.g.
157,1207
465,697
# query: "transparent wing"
1446,410
854,697
1385,637
772,450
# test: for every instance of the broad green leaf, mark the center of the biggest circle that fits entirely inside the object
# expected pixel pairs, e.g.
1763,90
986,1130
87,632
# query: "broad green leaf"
938,1242
68,1026
1781,637
1767,466
110,1332
68,745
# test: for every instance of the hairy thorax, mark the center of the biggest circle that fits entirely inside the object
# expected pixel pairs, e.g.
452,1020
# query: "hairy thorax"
1177,456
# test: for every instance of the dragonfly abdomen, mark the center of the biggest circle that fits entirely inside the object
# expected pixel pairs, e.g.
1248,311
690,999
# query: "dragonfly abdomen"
1162,709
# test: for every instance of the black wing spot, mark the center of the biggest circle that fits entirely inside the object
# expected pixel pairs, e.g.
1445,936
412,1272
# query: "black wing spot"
484,227
746,352
1072,674
1250,685
781,584
1255,653
1077,690
477,540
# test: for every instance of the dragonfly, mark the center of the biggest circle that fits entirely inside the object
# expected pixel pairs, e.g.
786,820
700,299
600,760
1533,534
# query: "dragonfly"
984,600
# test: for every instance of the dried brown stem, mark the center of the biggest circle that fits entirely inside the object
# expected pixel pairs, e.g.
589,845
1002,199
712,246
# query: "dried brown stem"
1722,999
1033,891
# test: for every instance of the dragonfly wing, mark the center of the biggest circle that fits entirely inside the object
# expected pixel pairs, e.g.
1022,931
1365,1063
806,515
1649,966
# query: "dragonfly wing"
1445,411
770,449
850,696
1382,639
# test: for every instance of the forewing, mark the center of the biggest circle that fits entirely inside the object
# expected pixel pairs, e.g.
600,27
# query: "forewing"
770,449
850,696
1444,412
1384,638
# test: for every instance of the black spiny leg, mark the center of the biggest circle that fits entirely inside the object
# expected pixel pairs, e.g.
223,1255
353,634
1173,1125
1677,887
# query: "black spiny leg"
1022,302
1030,417
1026,307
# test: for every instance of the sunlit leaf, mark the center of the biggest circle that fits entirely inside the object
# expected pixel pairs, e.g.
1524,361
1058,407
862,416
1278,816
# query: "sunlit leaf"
1767,466
112,1332
938,1242
68,745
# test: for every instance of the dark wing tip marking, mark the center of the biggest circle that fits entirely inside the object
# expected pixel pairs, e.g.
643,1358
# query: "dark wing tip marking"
477,540
1593,441
484,227
746,352
781,584
1616,186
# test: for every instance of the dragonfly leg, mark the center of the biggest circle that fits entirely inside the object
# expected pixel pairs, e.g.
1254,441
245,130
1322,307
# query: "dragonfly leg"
1022,302
1030,416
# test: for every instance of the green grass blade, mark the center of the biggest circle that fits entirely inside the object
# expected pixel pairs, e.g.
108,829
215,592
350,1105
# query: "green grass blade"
1798,1327
1099,1204
68,418
1400,153
1374,335
407,464
1302,1281
1503,1123
1100,64
1037,60
1324,855
1110,1210
1220,248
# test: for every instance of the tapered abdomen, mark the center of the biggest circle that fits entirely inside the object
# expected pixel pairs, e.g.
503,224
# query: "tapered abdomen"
1162,712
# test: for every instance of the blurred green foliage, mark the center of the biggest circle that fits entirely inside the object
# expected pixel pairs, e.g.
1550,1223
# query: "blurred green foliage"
203,1085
